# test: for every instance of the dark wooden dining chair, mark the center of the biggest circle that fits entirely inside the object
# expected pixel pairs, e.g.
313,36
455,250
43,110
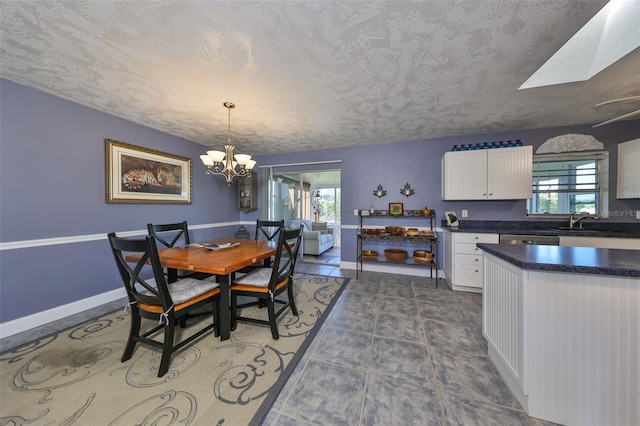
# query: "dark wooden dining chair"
265,284
265,230
152,298
171,235
268,229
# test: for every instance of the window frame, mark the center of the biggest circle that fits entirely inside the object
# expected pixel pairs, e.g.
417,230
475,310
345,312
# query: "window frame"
602,196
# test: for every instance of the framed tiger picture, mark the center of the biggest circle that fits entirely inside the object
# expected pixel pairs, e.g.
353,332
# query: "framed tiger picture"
140,175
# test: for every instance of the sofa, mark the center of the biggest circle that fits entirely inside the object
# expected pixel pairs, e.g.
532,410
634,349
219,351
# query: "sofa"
316,237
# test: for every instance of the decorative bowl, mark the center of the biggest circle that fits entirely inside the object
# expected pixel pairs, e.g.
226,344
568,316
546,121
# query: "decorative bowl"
372,231
369,253
395,254
394,230
422,256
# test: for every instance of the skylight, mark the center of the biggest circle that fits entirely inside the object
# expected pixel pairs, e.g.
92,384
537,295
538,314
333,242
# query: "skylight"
610,35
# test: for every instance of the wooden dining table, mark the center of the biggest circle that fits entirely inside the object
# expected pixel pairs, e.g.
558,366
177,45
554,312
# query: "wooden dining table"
222,263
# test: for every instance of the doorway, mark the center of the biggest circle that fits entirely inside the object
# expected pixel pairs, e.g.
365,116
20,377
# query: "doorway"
313,197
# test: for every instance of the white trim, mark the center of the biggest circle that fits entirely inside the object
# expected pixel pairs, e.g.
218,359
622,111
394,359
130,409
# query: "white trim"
13,245
308,163
217,225
437,229
38,319
393,269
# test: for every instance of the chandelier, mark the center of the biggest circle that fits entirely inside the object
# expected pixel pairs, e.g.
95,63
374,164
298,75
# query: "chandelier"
226,163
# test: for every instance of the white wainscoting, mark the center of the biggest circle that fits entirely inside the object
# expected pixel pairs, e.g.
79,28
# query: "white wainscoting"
567,345
19,325
38,319
503,328
584,351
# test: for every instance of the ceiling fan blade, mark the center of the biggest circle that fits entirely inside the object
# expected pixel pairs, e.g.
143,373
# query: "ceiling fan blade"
627,99
622,117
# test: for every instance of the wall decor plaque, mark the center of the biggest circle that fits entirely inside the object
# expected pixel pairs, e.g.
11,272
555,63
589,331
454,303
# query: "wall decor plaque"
396,209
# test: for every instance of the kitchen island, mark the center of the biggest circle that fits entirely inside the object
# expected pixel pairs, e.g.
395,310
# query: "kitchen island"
563,328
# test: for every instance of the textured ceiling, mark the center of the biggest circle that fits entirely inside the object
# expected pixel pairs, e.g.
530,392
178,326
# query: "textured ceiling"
310,74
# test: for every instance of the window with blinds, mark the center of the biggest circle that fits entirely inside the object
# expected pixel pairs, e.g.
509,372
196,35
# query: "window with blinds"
569,183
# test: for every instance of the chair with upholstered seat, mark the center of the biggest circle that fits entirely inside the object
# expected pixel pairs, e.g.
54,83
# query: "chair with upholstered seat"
265,284
152,298
169,235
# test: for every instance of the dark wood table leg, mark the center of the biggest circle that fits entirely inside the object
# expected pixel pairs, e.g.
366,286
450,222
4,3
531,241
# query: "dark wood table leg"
225,304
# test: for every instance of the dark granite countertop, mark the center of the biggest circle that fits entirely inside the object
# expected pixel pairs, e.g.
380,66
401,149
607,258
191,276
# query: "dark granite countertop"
579,260
591,229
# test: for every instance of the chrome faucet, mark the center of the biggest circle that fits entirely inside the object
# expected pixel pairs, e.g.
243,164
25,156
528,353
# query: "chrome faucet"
574,219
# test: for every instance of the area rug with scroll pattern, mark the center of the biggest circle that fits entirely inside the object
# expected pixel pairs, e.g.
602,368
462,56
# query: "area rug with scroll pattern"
75,376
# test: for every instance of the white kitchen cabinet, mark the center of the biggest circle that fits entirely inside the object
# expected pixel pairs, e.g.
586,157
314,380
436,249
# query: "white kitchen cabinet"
463,260
628,171
488,174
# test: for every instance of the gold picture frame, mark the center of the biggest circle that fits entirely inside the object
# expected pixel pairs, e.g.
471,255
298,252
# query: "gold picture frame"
396,209
140,175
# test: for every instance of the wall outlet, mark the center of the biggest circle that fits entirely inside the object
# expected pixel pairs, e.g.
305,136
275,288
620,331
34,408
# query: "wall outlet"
465,213
355,212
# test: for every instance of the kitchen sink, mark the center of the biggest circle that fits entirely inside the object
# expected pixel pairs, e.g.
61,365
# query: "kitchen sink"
579,230
566,228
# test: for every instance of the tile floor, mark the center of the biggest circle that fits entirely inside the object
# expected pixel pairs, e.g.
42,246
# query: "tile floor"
329,257
394,351
397,351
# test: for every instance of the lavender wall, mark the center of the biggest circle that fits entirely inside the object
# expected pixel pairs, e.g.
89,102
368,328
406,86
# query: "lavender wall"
52,184
418,163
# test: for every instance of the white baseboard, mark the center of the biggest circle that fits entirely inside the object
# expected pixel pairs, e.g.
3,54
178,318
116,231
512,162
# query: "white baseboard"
393,269
38,319
467,289
503,370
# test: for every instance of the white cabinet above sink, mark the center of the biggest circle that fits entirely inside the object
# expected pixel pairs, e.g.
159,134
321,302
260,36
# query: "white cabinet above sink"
488,174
